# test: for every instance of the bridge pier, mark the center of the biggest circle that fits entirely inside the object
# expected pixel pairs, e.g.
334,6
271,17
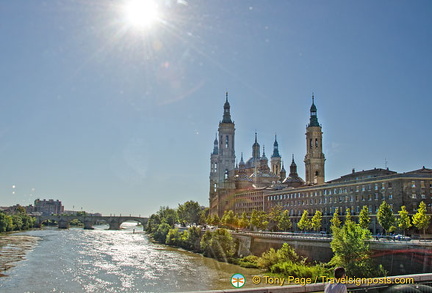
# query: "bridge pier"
63,224
114,225
88,224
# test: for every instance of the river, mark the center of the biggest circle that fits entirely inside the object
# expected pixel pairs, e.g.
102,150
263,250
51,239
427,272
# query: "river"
100,260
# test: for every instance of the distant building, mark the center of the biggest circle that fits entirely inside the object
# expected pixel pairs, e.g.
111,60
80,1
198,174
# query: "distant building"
253,185
48,207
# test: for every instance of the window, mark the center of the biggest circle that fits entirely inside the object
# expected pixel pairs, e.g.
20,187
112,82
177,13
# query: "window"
414,196
390,196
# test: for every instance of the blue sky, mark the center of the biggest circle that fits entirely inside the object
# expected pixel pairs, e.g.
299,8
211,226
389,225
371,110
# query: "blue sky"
111,117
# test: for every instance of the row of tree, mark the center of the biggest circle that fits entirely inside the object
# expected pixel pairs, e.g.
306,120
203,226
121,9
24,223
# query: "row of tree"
279,220
17,221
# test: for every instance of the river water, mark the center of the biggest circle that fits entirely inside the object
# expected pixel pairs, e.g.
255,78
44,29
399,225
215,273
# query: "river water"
100,260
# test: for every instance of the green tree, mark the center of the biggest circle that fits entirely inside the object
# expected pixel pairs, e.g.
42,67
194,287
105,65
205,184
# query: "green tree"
216,220
348,215
153,223
191,238
351,250
161,232
218,244
174,237
316,221
335,221
6,223
229,219
420,219
304,223
168,216
274,217
364,218
203,216
385,216
189,212
404,221
284,222
17,222
243,221
259,219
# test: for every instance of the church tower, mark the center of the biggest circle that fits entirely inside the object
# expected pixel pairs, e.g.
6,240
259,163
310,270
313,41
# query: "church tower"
222,162
314,159
226,162
276,161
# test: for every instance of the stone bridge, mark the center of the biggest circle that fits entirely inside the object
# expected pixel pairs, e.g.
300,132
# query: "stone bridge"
114,222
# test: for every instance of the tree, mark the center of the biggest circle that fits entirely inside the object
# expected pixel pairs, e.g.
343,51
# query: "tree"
203,216
229,219
352,251
161,232
6,223
385,216
284,221
218,244
335,221
348,215
364,218
259,219
168,216
304,223
189,212
420,220
404,221
243,221
316,221
274,217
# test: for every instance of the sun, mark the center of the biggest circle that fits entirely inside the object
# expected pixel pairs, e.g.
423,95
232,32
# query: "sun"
141,13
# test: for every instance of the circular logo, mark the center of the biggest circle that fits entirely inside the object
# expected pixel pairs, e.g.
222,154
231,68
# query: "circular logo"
238,280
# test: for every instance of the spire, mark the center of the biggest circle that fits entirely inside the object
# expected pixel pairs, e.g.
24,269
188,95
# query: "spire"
313,114
264,156
256,148
293,168
227,114
282,173
275,149
215,147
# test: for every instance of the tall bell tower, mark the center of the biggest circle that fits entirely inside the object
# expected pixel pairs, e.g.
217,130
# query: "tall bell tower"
314,159
222,161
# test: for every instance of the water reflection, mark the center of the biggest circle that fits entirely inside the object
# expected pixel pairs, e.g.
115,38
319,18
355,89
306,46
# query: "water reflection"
99,260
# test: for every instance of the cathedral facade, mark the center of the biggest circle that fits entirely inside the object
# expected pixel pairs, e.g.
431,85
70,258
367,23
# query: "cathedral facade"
228,180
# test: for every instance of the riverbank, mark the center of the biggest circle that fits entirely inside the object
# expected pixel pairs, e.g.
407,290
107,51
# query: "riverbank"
13,248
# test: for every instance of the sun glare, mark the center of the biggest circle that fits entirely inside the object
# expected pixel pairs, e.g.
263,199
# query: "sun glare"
142,13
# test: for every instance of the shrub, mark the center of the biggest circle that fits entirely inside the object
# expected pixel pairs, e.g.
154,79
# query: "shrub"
161,232
285,254
250,261
299,270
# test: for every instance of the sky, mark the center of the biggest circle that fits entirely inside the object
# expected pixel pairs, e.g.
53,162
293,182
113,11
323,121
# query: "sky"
113,115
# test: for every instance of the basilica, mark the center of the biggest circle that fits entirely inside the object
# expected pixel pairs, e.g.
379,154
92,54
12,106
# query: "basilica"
228,179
